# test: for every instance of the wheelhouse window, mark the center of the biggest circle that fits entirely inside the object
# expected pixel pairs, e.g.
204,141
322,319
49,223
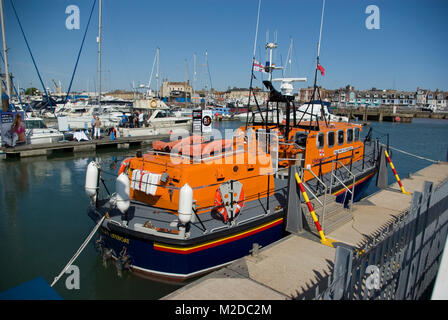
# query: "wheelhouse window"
330,140
300,139
320,140
340,137
349,135
356,134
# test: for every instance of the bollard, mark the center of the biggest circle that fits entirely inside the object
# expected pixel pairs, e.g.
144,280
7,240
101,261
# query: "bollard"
396,174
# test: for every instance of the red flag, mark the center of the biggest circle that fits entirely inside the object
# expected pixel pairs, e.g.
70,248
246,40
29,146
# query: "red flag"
322,70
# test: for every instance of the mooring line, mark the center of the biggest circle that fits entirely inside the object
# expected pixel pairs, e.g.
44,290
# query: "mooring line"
410,154
79,250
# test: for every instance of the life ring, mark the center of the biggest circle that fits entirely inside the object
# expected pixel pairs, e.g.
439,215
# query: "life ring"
221,209
124,164
153,103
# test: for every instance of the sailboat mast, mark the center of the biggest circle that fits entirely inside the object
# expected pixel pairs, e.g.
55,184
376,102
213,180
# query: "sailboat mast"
99,55
194,73
5,54
157,73
252,66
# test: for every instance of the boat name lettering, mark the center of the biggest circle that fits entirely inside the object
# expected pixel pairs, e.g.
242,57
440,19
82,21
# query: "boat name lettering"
119,238
343,150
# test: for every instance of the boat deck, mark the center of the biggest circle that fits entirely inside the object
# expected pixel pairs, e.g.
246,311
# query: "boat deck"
150,222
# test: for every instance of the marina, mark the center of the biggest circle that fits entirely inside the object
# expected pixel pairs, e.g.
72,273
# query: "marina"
186,191
62,175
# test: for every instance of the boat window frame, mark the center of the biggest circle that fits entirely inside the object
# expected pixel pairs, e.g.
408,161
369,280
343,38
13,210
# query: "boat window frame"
320,134
302,133
356,134
347,135
328,139
337,137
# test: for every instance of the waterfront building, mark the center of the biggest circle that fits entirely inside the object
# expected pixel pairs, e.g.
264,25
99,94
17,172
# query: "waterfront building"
176,89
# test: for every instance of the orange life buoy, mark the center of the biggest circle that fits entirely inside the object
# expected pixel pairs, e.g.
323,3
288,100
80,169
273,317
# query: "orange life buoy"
124,164
220,207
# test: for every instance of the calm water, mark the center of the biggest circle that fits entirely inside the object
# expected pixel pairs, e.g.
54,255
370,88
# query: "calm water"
43,218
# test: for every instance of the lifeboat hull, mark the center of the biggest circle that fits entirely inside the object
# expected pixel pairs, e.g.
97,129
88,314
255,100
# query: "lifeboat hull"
154,257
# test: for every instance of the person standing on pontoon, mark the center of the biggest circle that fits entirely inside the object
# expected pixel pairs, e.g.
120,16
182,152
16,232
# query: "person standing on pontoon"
124,120
141,118
97,128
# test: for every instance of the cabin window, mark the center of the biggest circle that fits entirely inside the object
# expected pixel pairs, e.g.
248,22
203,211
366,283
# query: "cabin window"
356,134
300,139
330,141
340,137
320,140
349,135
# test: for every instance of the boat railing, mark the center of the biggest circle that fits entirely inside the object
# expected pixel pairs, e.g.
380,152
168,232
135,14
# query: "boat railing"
324,203
333,175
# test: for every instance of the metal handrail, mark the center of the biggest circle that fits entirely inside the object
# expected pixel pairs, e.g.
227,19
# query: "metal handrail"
352,191
324,204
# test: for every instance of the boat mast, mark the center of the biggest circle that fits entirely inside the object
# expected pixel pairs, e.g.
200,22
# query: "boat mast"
152,71
252,67
194,73
5,54
315,88
187,80
157,73
99,55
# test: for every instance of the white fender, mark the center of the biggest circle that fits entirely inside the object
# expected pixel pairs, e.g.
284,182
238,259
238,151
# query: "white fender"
122,190
185,204
91,185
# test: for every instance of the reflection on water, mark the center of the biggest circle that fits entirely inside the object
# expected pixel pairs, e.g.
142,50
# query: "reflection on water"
44,221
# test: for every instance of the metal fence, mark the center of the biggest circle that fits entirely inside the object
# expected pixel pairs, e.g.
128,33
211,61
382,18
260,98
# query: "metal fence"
401,261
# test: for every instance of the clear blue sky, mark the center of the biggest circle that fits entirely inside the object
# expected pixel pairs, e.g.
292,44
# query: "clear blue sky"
409,50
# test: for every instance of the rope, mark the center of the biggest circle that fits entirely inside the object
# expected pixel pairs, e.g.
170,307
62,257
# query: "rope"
79,54
410,154
31,54
79,250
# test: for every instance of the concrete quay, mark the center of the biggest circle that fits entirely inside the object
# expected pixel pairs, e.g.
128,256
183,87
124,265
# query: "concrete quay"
387,114
46,149
292,267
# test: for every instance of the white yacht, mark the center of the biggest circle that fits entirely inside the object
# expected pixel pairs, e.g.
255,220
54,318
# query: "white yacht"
304,112
80,117
160,121
272,116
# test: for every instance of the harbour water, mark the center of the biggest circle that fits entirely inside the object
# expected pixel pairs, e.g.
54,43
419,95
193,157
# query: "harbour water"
43,218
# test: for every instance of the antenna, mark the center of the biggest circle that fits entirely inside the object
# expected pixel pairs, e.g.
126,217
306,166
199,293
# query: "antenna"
286,86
